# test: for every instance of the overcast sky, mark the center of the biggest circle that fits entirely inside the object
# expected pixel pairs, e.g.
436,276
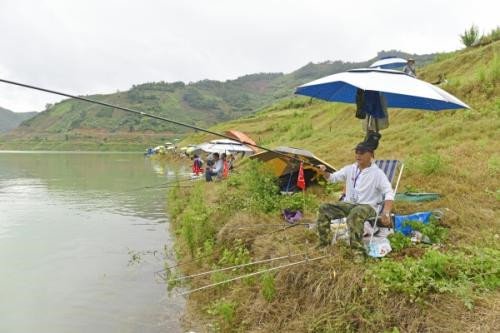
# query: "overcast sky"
100,46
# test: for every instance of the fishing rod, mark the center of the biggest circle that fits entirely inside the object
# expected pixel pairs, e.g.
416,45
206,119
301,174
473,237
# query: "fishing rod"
258,262
307,260
144,114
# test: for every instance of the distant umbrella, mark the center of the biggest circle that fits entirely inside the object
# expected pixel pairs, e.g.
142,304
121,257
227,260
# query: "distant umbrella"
389,63
224,146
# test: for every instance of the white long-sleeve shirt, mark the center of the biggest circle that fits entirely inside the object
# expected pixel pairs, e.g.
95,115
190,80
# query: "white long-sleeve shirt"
368,186
219,165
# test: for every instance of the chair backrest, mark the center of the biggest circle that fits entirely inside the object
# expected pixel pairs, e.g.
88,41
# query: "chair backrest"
391,168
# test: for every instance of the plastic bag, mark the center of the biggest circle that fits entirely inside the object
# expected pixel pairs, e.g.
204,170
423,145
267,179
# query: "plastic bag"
292,216
339,230
378,247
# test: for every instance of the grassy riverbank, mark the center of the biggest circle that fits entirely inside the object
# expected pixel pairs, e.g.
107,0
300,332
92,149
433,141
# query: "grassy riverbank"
448,288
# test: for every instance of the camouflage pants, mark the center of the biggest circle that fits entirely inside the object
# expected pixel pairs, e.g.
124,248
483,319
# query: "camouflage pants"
356,216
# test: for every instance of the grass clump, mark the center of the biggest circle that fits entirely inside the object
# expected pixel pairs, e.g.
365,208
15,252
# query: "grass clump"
224,311
427,164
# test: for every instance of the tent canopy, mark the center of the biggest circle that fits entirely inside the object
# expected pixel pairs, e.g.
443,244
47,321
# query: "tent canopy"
281,165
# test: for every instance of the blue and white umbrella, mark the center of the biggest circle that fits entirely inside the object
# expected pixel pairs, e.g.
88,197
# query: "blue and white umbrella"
389,63
399,89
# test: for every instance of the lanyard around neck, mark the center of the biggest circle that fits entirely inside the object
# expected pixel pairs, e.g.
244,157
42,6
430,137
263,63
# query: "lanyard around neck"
358,173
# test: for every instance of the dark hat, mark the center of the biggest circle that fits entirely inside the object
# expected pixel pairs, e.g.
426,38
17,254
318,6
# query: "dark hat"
364,146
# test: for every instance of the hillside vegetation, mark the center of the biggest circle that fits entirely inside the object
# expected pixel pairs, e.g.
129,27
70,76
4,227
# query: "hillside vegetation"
73,124
453,287
10,120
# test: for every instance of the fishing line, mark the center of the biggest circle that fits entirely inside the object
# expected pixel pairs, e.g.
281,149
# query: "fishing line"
150,116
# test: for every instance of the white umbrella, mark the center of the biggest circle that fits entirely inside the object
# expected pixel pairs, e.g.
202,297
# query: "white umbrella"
399,89
224,146
389,63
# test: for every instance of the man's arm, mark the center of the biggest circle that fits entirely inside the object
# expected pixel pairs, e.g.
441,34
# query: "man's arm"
386,189
386,213
217,167
333,177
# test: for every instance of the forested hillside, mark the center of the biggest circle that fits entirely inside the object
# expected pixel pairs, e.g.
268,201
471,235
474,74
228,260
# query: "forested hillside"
80,125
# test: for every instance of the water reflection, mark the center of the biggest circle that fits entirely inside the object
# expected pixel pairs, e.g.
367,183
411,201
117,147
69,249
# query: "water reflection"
68,223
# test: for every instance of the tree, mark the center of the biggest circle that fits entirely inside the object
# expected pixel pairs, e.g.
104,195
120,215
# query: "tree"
470,36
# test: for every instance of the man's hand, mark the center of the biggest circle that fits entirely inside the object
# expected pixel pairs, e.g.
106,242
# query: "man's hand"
385,219
325,173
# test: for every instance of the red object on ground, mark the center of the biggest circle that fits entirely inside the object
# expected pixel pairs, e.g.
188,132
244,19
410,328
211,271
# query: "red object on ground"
301,182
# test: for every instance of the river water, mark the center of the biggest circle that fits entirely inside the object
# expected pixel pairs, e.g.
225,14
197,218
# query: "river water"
80,242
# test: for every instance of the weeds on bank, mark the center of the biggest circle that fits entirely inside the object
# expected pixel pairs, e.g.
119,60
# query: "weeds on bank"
268,286
224,311
255,189
463,273
197,230
399,241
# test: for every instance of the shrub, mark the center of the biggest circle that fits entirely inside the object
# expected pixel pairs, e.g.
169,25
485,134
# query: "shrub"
470,36
257,188
430,163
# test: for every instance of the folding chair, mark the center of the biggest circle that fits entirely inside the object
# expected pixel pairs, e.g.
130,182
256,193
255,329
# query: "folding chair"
391,168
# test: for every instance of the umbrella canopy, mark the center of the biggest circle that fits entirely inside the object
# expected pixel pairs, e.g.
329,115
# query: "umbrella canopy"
224,146
281,165
399,89
389,63
242,137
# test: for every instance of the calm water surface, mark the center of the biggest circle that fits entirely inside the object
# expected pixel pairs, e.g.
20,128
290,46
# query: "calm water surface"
70,225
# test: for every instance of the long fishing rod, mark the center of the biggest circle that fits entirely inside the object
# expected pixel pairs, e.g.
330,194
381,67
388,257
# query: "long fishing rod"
258,262
307,260
150,116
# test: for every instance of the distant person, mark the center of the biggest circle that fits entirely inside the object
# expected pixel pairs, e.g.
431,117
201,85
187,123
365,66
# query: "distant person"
410,67
230,161
225,167
215,169
366,185
197,165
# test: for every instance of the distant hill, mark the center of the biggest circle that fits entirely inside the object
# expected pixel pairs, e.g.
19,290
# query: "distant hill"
202,103
10,120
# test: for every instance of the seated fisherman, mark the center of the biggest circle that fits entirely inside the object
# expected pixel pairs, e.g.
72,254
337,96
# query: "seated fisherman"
366,185
214,170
